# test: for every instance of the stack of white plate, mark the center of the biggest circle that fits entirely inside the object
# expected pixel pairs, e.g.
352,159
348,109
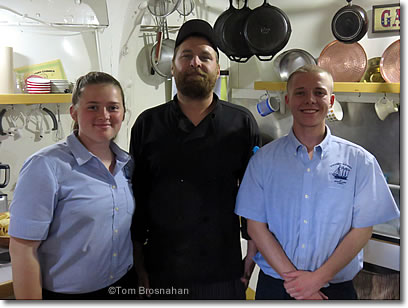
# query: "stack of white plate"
38,85
59,85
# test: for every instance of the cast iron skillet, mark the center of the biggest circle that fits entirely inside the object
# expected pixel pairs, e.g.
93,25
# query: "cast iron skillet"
350,23
219,28
267,30
233,35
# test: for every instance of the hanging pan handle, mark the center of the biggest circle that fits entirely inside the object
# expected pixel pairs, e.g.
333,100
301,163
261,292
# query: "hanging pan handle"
263,58
238,59
2,133
52,115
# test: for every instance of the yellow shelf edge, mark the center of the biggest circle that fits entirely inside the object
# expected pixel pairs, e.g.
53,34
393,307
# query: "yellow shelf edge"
356,87
367,87
270,86
34,98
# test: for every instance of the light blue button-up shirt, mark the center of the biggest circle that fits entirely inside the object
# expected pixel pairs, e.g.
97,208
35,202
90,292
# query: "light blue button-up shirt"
310,205
66,198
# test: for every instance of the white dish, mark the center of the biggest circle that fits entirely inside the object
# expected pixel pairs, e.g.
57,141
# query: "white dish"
38,80
30,90
37,87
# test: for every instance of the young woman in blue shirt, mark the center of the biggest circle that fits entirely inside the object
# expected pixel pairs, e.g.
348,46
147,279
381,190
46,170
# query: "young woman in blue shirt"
73,205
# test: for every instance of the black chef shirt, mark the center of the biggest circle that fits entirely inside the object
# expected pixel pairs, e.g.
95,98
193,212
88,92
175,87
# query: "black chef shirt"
185,184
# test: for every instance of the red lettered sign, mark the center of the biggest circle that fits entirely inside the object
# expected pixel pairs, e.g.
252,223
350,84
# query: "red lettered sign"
386,18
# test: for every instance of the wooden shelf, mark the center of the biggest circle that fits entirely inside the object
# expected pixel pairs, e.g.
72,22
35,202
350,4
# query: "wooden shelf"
356,87
34,98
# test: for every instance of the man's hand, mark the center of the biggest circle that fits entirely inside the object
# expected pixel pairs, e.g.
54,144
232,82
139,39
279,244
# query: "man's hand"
302,284
143,281
317,296
249,266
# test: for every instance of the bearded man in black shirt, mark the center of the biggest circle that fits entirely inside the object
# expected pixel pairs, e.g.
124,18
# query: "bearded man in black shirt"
190,155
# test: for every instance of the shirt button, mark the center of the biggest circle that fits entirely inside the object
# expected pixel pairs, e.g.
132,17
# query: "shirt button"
116,209
116,230
181,181
308,169
307,196
111,276
113,186
305,221
303,245
115,254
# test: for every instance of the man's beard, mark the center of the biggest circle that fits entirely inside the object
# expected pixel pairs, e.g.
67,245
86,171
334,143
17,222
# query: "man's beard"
195,86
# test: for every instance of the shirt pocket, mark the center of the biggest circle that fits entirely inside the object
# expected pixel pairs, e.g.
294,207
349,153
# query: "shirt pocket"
130,201
336,204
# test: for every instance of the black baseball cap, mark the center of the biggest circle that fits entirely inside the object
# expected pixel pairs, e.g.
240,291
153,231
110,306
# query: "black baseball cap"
197,27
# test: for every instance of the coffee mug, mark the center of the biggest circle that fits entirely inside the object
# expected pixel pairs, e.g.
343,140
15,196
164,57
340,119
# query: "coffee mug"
267,105
335,112
384,107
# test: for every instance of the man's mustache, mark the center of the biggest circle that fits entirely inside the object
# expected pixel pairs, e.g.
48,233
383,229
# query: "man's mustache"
196,71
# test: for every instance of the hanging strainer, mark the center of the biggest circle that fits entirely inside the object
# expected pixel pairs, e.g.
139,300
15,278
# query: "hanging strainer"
186,7
162,8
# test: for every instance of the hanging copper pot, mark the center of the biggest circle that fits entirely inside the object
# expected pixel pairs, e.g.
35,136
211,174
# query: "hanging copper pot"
345,62
390,63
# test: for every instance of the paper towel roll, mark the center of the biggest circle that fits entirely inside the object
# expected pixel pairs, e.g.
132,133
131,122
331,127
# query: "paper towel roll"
6,70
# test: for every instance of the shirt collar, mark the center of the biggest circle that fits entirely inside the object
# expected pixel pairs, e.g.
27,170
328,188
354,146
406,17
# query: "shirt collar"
82,155
295,145
80,152
183,122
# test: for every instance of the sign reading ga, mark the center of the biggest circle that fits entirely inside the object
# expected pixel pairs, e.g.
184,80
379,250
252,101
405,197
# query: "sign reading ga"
386,18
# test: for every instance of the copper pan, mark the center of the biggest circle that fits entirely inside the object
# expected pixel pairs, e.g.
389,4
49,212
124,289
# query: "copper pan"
390,63
346,62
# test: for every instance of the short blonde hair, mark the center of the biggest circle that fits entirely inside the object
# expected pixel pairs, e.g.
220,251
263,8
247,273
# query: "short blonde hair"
311,68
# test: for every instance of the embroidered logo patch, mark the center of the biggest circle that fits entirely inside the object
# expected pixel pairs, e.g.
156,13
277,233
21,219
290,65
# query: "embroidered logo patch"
339,173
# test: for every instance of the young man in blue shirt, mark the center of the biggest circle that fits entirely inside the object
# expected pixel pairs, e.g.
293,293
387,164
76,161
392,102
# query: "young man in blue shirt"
311,200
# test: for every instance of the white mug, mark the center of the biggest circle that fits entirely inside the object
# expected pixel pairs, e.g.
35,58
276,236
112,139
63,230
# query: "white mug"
384,107
335,112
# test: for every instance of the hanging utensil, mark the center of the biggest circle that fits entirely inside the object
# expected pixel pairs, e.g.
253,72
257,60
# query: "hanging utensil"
36,117
162,8
345,62
219,28
162,66
390,63
350,23
159,38
52,115
185,7
289,61
6,180
59,134
40,126
267,31
2,113
13,117
233,35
